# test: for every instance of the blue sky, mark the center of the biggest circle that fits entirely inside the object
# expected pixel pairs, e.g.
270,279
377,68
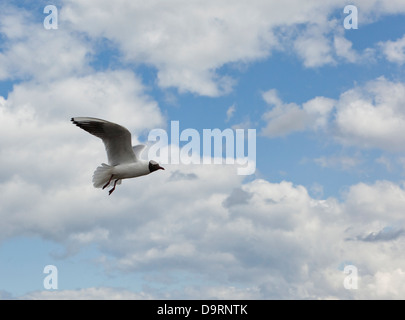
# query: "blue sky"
328,107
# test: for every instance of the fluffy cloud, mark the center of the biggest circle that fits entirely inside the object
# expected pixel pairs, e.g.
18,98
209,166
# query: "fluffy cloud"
314,47
189,46
102,293
30,51
118,95
35,119
372,116
343,48
394,50
43,151
270,240
285,118
368,116
361,200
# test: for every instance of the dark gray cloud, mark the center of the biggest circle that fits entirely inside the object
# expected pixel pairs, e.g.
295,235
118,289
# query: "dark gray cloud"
178,175
238,196
386,234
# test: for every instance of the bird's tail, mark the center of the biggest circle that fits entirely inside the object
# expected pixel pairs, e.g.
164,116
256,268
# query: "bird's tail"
102,175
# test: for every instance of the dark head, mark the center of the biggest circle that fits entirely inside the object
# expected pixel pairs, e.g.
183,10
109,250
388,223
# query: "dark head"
153,166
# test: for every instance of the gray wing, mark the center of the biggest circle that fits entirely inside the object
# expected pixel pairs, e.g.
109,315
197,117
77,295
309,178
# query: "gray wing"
138,150
117,139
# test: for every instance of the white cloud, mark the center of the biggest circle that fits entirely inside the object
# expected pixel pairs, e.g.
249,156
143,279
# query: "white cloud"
279,237
318,111
362,202
229,113
45,158
285,118
101,293
268,244
385,284
109,293
188,46
282,118
343,48
374,9
314,47
222,292
394,51
117,95
368,116
372,116
30,51
36,118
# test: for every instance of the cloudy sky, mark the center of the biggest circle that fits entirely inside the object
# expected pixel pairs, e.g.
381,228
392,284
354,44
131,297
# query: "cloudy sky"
328,107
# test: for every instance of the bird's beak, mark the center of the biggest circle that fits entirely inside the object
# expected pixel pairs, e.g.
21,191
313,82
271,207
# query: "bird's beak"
161,168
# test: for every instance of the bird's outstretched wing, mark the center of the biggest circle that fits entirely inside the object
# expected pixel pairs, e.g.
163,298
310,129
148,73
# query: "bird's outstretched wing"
138,150
117,139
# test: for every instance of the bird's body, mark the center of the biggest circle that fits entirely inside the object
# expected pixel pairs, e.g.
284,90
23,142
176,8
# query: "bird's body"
131,170
124,161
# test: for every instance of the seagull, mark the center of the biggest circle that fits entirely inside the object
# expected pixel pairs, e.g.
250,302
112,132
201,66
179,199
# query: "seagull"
124,161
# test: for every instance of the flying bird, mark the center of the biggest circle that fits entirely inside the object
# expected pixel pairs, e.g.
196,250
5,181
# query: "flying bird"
124,161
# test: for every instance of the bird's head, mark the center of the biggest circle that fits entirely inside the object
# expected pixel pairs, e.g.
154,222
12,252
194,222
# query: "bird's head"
153,166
